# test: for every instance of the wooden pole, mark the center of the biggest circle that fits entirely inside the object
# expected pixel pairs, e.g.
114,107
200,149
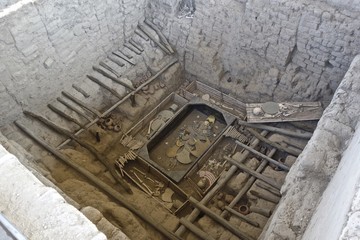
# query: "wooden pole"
242,217
106,66
219,185
122,100
100,184
306,135
253,173
120,55
268,188
266,196
143,28
160,34
101,84
259,154
80,90
132,48
141,34
82,104
64,115
107,75
135,44
271,143
249,183
84,144
261,211
74,109
195,230
116,61
219,219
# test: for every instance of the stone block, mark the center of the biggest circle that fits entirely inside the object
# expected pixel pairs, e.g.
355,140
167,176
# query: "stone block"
315,69
5,35
29,50
48,63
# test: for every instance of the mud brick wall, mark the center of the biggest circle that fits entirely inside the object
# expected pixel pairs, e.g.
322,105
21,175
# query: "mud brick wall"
47,45
324,156
274,50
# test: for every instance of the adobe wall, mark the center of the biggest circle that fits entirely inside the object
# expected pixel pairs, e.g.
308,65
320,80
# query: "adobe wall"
274,50
46,46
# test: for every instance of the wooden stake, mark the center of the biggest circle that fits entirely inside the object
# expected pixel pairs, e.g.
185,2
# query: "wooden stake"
294,152
137,45
100,184
306,135
195,230
107,67
219,185
123,57
249,183
219,219
143,28
160,34
253,173
242,217
74,109
101,84
279,164
107,75
132,48
64,115
268,188
141,34
113,59
163,69
81,103
84,144
80,90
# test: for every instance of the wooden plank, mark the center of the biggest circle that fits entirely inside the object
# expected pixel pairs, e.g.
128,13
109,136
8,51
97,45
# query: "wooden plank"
289,111
223,101
118,103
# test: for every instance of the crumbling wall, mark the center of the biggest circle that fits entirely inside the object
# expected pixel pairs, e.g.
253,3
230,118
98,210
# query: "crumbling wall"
38,211
340,199
280,50
347,4
46,46
312,171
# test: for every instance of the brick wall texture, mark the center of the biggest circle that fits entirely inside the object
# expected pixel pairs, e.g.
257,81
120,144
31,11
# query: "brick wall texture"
48,45
274,50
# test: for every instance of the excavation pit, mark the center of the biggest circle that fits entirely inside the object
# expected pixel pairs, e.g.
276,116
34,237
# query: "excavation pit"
178,119
178,145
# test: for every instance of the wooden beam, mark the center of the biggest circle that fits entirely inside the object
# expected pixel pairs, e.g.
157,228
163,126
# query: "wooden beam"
259,154
306,135
100,184
101,84
219,219
242,217
294,152
163,69
81,103
195,230
249,183
253,173
85,145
